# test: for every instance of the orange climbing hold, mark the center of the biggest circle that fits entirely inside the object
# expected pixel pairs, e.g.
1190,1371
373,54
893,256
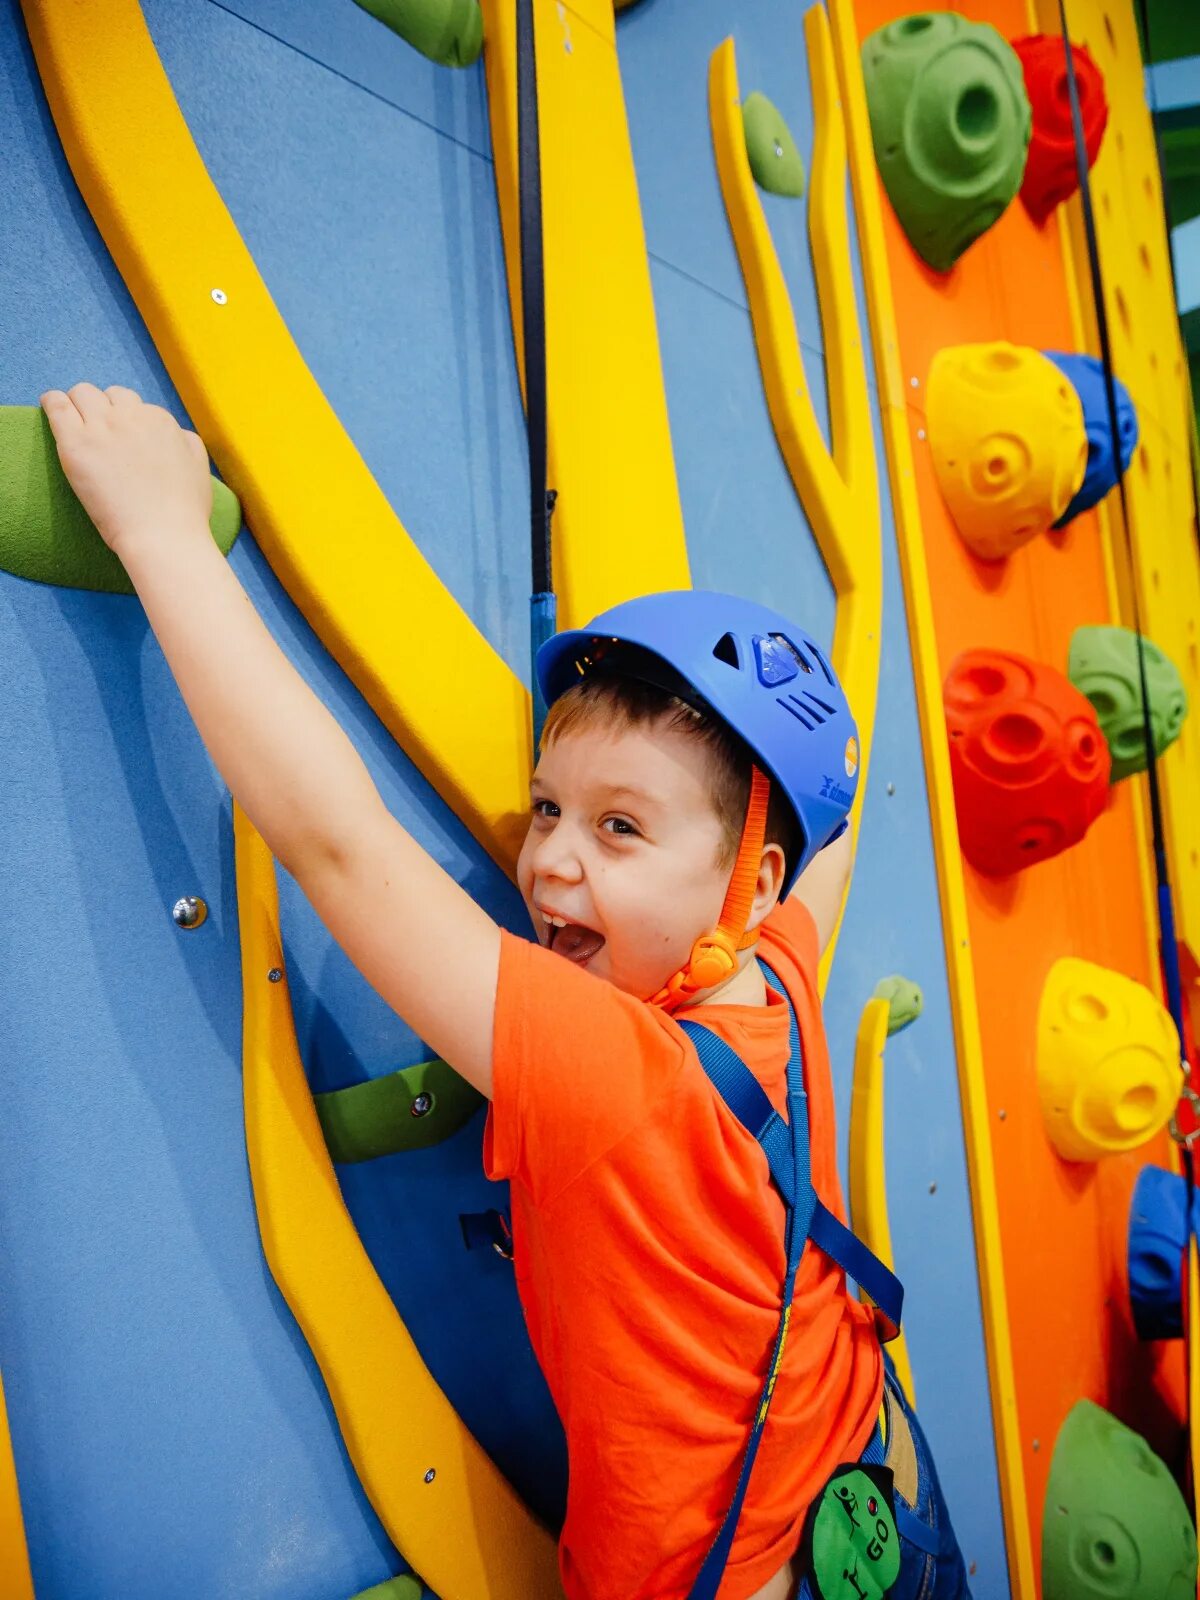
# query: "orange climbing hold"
1008,442
1029,763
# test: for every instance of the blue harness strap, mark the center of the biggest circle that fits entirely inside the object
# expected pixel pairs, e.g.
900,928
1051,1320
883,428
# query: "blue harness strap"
786,1147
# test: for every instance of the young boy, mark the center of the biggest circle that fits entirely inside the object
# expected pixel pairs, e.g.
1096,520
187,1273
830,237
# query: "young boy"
675,802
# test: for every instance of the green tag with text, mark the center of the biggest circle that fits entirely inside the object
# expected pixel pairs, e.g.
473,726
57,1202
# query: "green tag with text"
852,1545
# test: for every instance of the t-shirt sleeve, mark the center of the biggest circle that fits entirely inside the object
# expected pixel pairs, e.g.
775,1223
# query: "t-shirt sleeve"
576,1064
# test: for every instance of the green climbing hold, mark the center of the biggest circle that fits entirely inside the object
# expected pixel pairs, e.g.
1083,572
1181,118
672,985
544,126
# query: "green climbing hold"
1114,1526
449,32
951,121
904,998
775,162
407,1110
45,534
1103,665
403,1588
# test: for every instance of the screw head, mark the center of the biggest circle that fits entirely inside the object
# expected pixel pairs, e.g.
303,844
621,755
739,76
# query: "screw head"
891,788
189,911
430,1475
422,1104
915,383
220,297
778,148
275,975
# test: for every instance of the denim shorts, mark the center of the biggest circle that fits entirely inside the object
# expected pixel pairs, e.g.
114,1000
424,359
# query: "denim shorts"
937,1571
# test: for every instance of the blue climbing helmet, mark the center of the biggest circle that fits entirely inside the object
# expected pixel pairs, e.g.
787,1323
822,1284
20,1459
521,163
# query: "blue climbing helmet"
763,676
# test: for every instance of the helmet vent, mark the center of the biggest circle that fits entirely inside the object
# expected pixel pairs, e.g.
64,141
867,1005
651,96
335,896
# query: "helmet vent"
726,650
802,713
825,668
819,705
794,651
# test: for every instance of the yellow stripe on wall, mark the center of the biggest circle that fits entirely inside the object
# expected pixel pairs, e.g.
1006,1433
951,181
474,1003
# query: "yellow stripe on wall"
837,484
618,527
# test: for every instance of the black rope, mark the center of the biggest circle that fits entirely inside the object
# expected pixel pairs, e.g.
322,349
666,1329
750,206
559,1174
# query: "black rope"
533,297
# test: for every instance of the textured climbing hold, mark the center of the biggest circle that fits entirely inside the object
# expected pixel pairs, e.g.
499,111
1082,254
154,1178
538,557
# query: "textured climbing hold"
1028,760
406,1110
1051,170
45,534
1086,376
776,163
449,32
1107,1061
904,998
950,121
1008,443
1158,1236
1114,1525
1103,665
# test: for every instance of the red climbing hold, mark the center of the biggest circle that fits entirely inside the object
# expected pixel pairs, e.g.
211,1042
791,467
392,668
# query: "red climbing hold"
1029,762
1051,171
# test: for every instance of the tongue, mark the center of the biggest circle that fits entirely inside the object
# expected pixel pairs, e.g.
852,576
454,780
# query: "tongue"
576,943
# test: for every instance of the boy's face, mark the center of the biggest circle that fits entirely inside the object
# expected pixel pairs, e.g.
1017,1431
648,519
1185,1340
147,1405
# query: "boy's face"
623,846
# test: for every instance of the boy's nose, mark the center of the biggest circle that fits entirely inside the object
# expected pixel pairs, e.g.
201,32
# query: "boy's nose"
556,856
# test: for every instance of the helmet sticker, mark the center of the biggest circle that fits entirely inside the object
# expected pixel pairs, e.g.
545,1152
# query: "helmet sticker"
851,756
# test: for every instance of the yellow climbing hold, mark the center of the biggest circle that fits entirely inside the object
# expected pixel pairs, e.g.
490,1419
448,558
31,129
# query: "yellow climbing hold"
1008,441
1107,1061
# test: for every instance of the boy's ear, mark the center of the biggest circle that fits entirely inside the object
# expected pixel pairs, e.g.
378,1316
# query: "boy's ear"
771,870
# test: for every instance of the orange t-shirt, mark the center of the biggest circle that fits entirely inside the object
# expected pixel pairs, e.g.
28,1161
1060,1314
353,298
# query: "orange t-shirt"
649,1259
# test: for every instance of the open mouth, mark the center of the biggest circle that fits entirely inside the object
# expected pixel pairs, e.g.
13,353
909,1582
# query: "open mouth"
571,939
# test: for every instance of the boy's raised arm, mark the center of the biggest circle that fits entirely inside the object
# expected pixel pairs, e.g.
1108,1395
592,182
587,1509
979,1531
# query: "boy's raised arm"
822,885
417,937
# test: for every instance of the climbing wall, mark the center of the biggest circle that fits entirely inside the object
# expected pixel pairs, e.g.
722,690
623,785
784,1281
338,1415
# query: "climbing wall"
288,225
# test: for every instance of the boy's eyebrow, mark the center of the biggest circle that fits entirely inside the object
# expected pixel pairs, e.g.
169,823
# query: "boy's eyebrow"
631,791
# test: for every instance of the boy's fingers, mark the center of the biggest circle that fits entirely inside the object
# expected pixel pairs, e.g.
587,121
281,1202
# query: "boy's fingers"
196,445
60,413
89,401
120,396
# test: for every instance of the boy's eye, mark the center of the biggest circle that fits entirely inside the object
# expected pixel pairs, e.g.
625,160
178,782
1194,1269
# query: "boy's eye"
545,808
620,825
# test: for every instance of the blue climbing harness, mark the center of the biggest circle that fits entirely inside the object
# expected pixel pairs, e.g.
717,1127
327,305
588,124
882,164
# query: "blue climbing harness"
786,1147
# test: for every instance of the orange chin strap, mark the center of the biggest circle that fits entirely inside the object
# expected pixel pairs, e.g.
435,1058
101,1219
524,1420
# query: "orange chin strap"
714,955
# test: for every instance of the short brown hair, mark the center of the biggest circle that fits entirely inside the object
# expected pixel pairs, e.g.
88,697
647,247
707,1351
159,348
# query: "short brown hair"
611,700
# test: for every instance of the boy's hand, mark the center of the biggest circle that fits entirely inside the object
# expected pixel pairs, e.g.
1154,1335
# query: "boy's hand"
138,474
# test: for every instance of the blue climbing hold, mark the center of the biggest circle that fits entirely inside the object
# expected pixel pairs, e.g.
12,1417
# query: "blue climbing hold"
1157,1240
1086,375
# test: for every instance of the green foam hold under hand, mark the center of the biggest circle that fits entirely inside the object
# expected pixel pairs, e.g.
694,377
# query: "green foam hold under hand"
1103,665
406,1110
904,998
1114,1525
950,121
449,32
45,534
774,159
